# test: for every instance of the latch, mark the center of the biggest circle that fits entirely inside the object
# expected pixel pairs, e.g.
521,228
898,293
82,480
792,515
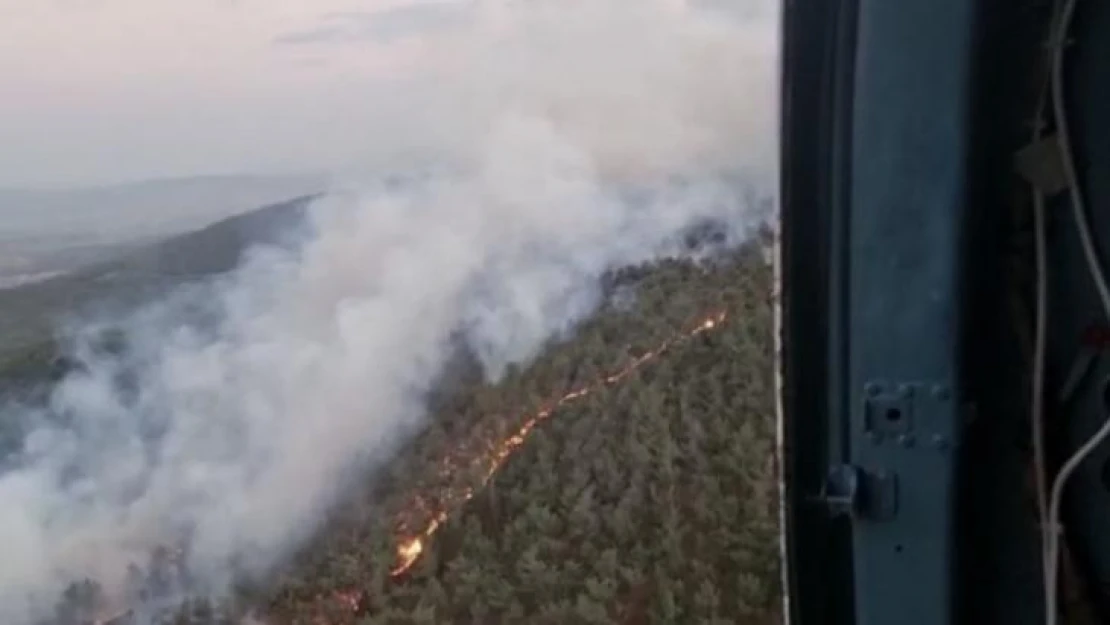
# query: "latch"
852,491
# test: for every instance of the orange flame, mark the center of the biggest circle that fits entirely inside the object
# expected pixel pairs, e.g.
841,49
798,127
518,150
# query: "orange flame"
411,547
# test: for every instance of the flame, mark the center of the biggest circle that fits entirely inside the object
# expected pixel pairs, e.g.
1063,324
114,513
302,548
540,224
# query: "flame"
411,545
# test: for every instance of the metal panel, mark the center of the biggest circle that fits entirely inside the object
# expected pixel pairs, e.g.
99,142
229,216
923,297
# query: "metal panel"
911,135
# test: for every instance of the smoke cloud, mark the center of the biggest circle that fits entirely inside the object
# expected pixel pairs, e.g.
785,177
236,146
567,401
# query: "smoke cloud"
528,154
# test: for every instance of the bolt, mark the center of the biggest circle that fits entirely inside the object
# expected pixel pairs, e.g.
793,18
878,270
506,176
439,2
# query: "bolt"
872,389
940,441
941,392
905,390
906,440
874,438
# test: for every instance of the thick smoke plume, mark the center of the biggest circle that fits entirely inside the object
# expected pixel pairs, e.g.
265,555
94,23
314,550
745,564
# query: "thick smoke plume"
528,153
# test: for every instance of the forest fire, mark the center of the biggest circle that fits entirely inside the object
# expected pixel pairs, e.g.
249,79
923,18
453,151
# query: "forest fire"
411,547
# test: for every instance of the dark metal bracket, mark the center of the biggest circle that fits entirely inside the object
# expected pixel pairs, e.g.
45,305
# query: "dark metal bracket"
889,411
851,491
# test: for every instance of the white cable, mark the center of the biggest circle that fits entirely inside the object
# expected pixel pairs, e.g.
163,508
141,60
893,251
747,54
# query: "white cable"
1068,162
1040,468
1054,526
1052,546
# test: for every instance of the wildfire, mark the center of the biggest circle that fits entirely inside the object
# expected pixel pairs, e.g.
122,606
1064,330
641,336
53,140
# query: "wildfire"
411,546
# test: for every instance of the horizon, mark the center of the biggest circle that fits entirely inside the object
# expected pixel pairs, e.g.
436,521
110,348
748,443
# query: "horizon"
495,163
108,93
157,179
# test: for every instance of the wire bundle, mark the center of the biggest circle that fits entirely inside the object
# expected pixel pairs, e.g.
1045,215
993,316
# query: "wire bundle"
1049,500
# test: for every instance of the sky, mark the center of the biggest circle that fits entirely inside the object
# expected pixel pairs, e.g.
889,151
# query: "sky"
100,91
105,91
546,146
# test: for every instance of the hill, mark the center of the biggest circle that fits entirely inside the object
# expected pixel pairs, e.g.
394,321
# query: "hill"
29,314
148,209
650,499
552,496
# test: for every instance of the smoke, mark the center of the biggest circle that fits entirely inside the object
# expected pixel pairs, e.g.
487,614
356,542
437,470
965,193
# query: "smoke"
541,146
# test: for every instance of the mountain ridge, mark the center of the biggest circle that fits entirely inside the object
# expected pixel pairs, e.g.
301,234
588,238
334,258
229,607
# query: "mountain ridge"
30,314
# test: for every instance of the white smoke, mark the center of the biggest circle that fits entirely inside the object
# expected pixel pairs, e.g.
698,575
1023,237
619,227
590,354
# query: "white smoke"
557,142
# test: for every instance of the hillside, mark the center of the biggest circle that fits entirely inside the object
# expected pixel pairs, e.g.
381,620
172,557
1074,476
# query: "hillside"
29,314
147,209
652,500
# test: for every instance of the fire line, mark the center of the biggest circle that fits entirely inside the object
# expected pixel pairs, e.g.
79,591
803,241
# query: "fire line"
411,546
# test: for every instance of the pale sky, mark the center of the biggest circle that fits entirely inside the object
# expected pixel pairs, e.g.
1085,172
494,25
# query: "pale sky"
98,91
102,91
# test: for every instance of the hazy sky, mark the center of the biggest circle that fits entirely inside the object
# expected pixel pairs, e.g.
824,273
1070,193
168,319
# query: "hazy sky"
98,91
104,90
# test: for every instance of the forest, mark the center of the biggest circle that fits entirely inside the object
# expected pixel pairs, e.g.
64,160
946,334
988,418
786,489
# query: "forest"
626,476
